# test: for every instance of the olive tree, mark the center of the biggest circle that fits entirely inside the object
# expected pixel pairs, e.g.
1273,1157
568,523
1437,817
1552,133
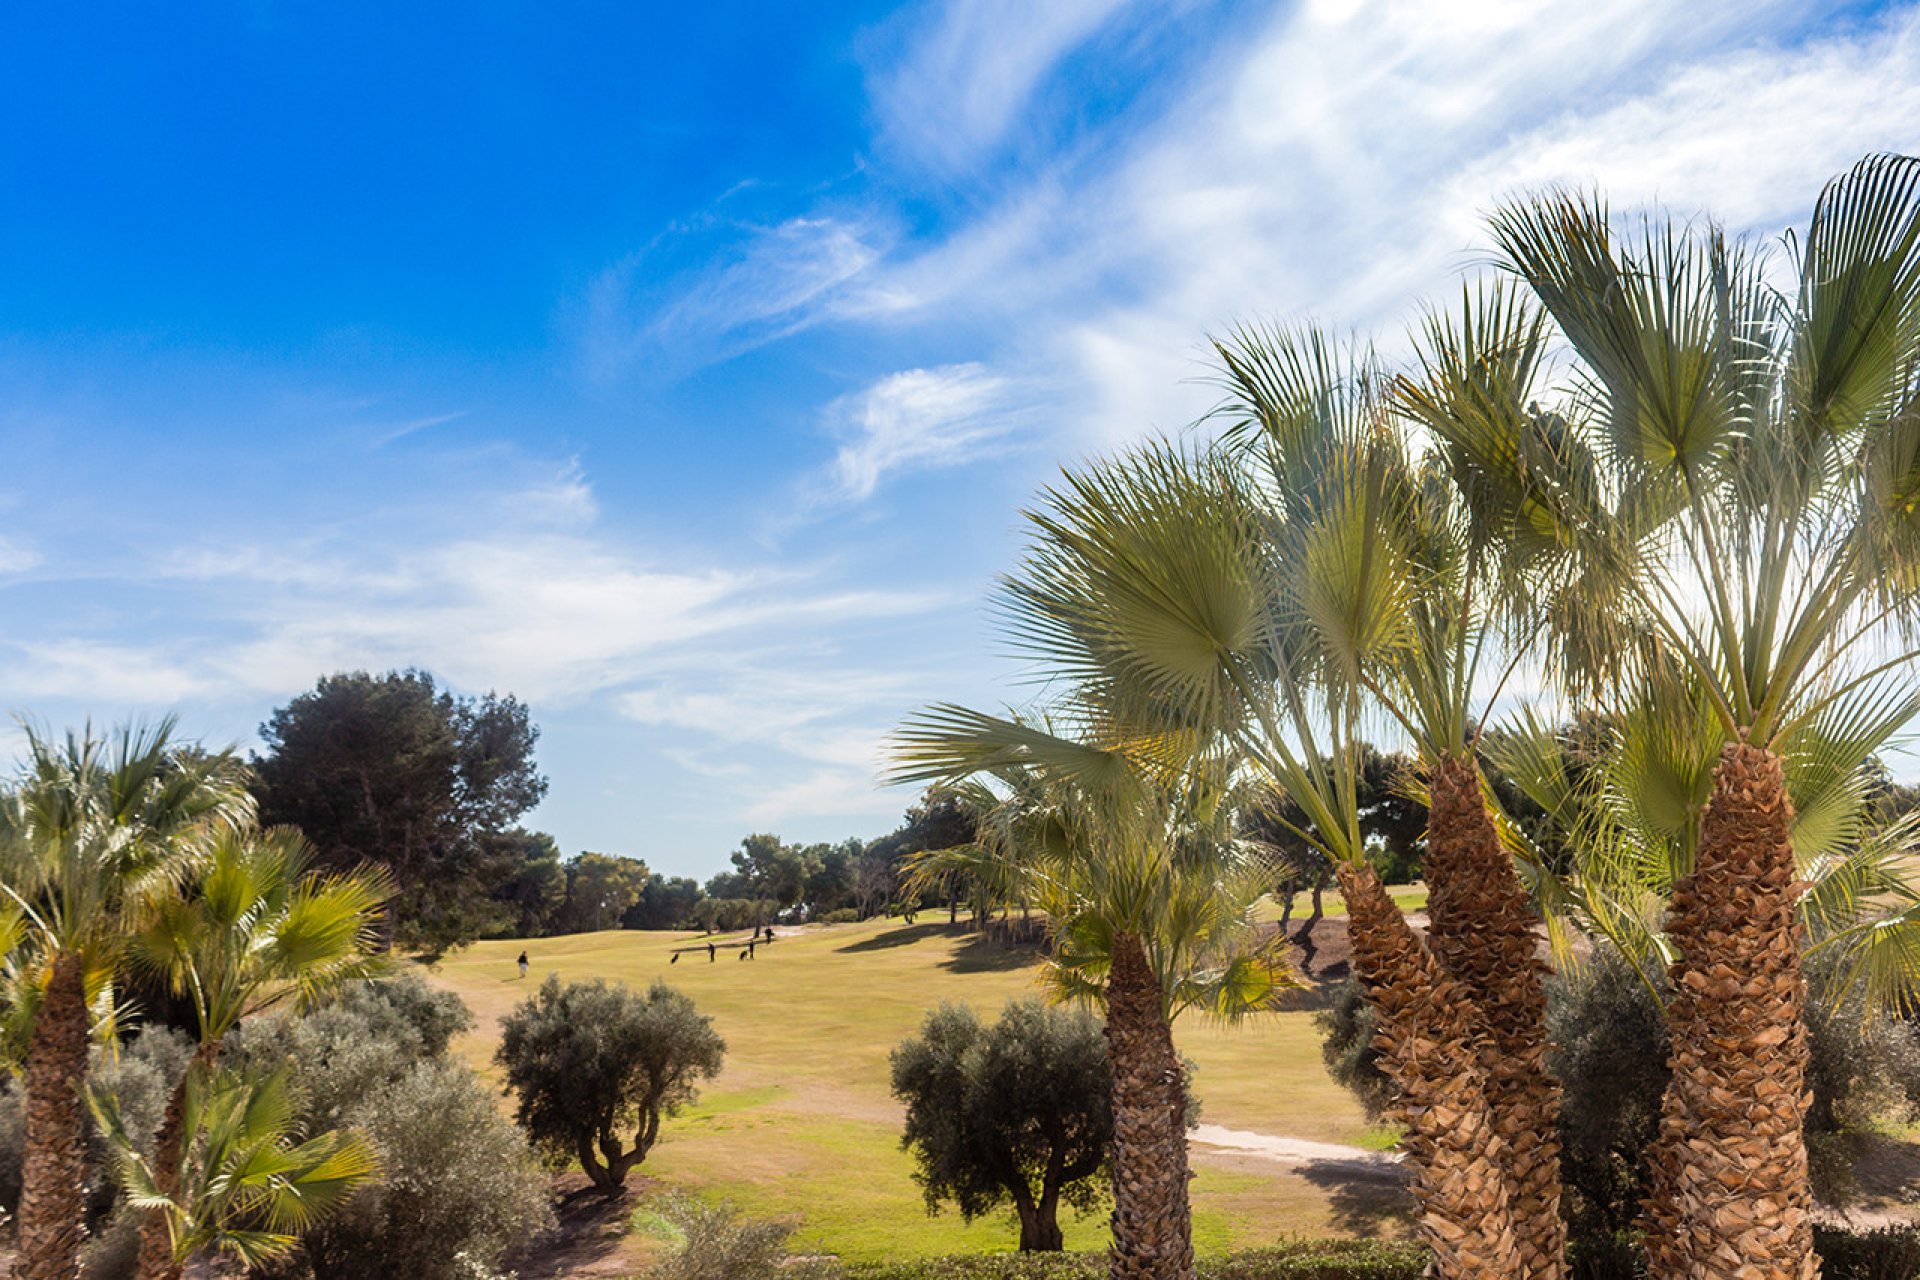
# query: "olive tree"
593,1063
1017,1112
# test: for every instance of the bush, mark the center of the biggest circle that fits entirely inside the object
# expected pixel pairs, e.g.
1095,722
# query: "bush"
1018,1113
591,1062
1609,1049
1295,1260
1889,1253
716,1243
841,915
460,1187
1349,1025
141,1074
987,1266
460,1192
1610,1052
1323,1260
1864,1072
1605,1257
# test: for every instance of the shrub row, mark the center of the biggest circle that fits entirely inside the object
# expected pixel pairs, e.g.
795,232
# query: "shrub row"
1297,1260
1889,1253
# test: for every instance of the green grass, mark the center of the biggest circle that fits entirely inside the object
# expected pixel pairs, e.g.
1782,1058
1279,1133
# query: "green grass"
801,1123
1409,897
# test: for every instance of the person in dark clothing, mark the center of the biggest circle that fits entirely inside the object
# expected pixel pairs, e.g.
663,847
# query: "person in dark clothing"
710,953
523,964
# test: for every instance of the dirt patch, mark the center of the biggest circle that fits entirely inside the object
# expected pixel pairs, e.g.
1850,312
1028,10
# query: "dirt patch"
593,1237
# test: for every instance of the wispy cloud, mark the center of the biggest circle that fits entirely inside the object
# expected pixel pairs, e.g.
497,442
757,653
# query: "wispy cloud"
110,673
400,431
1338,163
969,72
751,284
17,557
921,419
542,604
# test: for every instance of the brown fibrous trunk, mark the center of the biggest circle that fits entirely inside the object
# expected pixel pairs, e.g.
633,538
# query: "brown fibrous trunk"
1481,934
1729,1197
1430,1041
1152,1217
52,1219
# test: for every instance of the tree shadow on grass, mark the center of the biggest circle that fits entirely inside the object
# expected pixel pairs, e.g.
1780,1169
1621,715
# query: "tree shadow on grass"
1886,1171
984,954
1361,1201
905,936
589,1235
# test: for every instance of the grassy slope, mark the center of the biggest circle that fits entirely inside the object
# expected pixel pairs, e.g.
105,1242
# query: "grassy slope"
801,1123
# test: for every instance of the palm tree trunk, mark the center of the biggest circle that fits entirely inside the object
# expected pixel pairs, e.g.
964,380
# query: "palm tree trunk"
1729,1193
1429,1039
1152,1218
156,1261
1481,933
52,1192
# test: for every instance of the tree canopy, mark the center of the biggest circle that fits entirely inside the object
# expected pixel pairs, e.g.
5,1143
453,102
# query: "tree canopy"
391,770
595,1067
1017,1113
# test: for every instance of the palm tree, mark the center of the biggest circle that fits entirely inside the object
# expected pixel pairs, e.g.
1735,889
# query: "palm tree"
1188,599
1150,902
253,929
1456,576
248,1185
1759,456
90,835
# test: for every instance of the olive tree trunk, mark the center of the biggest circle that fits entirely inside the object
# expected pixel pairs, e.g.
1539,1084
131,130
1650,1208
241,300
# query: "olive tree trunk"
1481,933
1152,1219
1039,1221
1430,1042
1729,1197
52,1220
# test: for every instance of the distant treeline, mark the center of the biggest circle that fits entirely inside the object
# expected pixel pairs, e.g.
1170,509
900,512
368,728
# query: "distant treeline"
769,879
392,770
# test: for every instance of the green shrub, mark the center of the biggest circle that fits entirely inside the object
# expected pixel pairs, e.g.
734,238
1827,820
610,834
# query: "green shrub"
1322,1260
1348,1025
713,1242
841,915
1609,1050
141,1073
1294,1260
1889,1253
1605,1257
460,1188
988,1266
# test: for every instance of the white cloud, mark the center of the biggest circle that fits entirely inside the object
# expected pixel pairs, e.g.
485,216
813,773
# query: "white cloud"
971,70
1338,163
17,557
751,284
101,673
542,605
823,793
920,419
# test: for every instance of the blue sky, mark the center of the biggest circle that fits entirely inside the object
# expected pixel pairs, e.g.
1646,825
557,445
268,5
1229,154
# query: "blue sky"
683,369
